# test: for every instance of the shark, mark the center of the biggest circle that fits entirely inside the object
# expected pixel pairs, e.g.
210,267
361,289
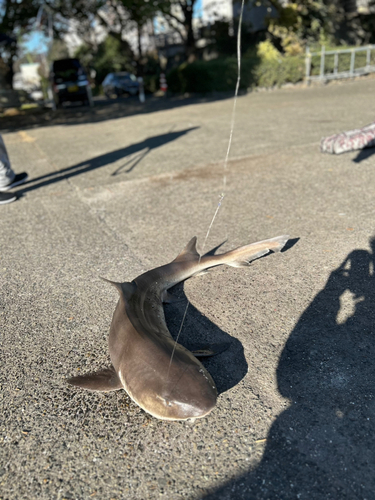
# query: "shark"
160,375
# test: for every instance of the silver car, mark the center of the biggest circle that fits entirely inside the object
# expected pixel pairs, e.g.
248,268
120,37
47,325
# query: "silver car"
116,84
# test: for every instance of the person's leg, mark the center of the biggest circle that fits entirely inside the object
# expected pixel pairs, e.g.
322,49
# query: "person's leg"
8,179
6,173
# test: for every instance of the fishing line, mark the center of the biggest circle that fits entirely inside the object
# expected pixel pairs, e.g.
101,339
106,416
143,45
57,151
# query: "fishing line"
222,195
225,167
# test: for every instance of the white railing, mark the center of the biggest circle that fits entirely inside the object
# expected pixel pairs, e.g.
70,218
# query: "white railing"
334,74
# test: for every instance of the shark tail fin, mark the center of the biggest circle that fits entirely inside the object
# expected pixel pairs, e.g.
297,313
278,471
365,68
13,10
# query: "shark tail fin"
242,256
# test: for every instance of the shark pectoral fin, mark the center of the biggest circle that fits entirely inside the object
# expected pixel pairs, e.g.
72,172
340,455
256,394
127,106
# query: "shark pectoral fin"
209,350
104,380
113,283
125,289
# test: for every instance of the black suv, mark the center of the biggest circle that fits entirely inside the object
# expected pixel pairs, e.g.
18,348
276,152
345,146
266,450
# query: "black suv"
70,82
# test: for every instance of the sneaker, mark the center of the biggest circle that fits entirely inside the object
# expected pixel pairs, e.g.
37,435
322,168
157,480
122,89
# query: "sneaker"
18,179
7,198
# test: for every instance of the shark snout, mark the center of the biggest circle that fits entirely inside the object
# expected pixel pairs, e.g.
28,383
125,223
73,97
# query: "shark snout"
181,408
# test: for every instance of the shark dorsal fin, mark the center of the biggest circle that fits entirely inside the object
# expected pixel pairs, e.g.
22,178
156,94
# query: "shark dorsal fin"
125,289
189,252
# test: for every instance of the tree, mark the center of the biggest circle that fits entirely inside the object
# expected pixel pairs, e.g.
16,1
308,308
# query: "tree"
121,16
316,21
111,55
179,14
140,12
15,19
19,17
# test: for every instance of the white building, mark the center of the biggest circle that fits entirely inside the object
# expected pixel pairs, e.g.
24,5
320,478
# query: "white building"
27,78
215,10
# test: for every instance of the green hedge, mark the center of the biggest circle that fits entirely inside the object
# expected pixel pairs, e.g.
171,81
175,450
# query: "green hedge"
208,76
221,74
285,70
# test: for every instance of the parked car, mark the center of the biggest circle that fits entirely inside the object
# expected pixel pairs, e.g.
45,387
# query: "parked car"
120,83
70,82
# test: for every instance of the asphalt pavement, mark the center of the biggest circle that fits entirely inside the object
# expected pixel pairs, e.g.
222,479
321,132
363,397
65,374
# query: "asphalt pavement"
121,188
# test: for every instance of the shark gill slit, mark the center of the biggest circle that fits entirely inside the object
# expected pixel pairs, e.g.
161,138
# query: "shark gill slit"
222,194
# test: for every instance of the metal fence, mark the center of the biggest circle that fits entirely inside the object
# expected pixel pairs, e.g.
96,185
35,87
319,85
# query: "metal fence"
335,64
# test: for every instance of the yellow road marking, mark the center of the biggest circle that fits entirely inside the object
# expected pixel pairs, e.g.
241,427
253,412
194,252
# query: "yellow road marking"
25,137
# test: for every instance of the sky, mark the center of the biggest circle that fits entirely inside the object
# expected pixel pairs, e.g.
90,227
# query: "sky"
198,8
36,42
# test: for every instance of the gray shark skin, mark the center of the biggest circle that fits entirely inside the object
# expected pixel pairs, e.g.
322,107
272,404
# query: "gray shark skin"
160,375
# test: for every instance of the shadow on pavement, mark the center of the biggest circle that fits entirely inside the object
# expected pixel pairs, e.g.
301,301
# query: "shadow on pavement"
140,150
323,445
103,110
227,368
364,154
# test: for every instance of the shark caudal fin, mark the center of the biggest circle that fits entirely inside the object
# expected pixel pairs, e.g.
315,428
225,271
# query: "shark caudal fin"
242,256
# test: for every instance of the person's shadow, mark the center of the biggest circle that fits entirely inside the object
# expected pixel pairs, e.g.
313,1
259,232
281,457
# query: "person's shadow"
132,154
323,445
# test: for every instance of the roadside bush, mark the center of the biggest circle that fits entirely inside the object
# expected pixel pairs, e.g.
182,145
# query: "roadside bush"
277,72
221,74
267,51
275,68
151,83
151,72
218,75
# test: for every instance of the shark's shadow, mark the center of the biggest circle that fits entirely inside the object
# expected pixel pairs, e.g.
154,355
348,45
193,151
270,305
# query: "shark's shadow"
227,368
323,445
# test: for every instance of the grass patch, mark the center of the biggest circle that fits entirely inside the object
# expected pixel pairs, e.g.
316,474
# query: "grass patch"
29,105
